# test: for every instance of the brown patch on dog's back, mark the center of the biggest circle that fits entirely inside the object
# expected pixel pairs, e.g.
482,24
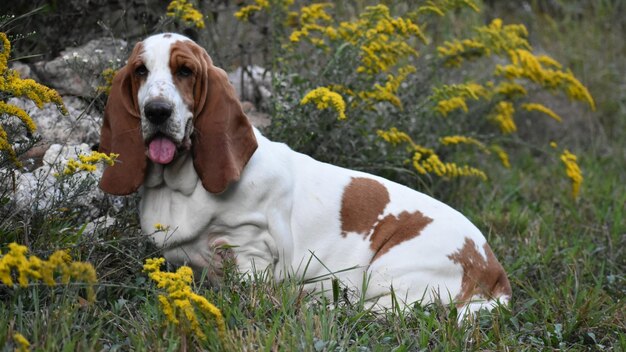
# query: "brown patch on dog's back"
393,230
480,277
363,202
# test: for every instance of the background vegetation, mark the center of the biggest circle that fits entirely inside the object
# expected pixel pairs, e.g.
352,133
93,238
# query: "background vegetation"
566,257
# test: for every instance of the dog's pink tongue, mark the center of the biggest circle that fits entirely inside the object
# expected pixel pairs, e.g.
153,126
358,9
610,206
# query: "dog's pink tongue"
161,150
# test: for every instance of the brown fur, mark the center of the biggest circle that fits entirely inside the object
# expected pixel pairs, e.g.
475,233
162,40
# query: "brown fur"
121,131
222,142
363,201
392,230
481,277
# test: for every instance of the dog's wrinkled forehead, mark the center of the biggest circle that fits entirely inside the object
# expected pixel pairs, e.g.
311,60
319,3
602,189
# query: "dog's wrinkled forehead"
156,50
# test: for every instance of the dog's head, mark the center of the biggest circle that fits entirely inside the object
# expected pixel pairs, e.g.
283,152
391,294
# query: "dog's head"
170,98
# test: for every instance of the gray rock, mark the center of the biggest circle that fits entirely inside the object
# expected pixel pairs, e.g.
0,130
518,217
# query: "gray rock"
46,187
253,84
79,126
77,70
24,70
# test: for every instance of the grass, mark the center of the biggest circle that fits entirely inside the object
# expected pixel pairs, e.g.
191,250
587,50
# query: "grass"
566,260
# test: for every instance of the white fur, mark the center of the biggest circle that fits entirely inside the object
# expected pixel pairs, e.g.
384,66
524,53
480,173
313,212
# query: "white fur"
284,215
159,84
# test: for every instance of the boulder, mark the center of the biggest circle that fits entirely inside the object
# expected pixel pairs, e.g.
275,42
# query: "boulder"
77,70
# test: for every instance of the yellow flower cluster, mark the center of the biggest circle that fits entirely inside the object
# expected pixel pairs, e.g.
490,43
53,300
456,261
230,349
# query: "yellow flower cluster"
502,116
382,39
388,91
308,23
441,7
453,97
11,85
432,164
504,157
453,140
510,90
541,108
573,171
394,137
426,161
184,11
545,72
108,75
509,41
88,162
381,42
33,268
491,39
245,12
325,98
160,227
180,303
22,343
5,144
444,107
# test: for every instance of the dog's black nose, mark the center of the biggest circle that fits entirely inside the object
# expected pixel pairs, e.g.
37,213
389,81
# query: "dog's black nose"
158,111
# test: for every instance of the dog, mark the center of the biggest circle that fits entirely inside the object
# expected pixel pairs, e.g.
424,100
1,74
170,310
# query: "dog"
224,190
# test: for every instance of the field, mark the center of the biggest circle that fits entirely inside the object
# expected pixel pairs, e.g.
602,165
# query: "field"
564,251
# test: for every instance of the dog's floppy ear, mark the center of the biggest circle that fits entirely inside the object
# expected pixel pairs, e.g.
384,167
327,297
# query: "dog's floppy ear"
121,132
223,139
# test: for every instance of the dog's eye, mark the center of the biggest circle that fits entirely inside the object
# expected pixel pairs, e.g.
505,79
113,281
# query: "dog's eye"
141,71
184,71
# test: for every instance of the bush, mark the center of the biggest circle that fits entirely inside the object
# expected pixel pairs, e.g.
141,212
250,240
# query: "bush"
380,90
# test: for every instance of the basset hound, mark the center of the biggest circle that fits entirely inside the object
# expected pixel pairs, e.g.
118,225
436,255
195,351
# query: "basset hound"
222,189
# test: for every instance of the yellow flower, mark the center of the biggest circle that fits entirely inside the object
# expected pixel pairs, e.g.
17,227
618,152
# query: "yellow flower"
88,162
34,269
11,85
543,109
160,227
21,342
452,140
444,107
510,89
525,64
313,19
426,161
441,7
432,164
453,97
186,12
108,75
491,39
388,92
572,171
245,12
502,116
19,113
380,38
180,303
394,136
325,98
504,157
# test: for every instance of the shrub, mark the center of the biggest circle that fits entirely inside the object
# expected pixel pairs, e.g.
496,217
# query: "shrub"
11,85
381,90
